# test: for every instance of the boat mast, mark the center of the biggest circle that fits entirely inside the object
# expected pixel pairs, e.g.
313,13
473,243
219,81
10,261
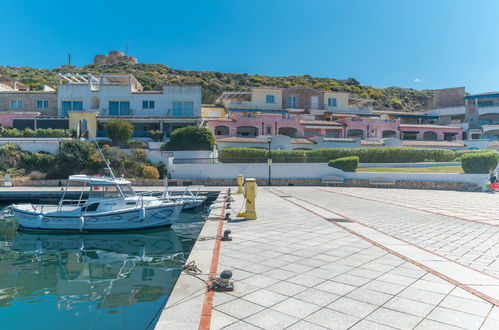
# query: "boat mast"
108,165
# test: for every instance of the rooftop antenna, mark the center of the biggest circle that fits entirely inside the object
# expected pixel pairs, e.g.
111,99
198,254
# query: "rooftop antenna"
69,58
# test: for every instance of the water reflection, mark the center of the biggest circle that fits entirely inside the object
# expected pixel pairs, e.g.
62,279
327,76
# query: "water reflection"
94,277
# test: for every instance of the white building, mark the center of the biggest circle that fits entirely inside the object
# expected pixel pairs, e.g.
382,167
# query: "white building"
121,96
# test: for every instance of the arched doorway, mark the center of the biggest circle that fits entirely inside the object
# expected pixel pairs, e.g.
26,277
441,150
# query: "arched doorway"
249,131
389,134
288,131
355,133
222,130
430,136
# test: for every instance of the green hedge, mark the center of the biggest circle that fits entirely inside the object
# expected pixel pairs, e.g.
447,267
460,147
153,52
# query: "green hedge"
347,164
40,132
480,162
190,138
366,155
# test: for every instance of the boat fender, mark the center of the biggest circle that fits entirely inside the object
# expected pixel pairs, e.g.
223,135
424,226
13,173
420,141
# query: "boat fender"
40,220
82,222
142,213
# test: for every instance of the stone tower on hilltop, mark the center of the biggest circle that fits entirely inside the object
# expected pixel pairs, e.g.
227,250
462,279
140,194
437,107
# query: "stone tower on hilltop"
114,57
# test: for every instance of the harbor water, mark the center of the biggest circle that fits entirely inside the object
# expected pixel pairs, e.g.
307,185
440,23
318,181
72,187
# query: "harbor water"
91,280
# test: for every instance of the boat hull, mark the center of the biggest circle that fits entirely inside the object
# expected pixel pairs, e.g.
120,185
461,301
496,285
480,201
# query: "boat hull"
131,219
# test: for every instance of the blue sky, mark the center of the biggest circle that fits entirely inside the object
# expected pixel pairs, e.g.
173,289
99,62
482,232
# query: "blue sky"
418,44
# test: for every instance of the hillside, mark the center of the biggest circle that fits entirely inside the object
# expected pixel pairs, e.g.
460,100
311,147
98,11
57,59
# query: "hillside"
152,76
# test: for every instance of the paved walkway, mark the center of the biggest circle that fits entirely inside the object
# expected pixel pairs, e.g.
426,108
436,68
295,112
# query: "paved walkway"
349,258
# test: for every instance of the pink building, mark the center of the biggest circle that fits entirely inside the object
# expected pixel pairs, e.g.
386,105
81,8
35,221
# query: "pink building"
6,118
252,125
366,127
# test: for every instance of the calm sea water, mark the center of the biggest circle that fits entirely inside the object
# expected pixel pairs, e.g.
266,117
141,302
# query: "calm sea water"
90,281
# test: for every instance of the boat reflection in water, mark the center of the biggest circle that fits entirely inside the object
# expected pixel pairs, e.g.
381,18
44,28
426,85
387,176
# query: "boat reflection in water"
97,278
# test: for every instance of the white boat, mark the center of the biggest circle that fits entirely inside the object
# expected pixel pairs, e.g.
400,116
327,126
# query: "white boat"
190,199
112,205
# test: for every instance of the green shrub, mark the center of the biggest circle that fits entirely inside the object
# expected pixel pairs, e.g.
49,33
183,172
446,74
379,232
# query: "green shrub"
479,162
156,136
74,156
118,130
161,167
38,161
190,138
242,155
459,153
40,132
366,155
140,155
150,172
134,144
346,164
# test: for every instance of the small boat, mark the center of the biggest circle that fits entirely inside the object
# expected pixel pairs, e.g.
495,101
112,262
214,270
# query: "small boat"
112,205
190,199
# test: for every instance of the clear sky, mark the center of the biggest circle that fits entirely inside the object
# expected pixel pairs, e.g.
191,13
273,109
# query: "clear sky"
418,44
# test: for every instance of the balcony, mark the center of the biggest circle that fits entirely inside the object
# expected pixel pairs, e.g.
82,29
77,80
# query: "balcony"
489,109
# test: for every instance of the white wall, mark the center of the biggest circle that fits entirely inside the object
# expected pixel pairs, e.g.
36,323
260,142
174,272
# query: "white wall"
257,170
49,145
304,171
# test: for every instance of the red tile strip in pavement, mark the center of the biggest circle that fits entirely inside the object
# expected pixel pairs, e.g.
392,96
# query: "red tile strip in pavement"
414,262
205,320
412,208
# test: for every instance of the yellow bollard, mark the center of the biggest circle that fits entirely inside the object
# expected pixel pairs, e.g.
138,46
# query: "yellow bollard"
240,181
250,192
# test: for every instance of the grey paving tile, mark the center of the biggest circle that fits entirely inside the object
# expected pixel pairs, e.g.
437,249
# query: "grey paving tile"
222,297
394,318
381,286
260,281
239,308
265,297
369,296
320,298
422,295
296,308
490,324
271,319
305,280
455,318
241,325
331,319
337,288
434,325
466,305
220,320
241,289
412,307
286,288
370,325
304,325
351,279
352,307
280,274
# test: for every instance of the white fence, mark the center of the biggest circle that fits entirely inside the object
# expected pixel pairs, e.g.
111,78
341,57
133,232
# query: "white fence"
304,171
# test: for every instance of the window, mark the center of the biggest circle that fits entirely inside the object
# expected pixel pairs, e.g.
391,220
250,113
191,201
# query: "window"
269,130
119,108
71,106
42,104
485,103
270,98
331,102
183,109
16,104
292,102
147,104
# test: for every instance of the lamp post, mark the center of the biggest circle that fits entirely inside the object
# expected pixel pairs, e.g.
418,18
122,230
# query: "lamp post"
269,161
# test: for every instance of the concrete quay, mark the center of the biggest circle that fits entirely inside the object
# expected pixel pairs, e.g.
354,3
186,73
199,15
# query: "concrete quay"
346,258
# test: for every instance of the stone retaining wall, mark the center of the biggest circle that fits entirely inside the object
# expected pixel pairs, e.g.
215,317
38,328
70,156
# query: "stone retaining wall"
429,185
